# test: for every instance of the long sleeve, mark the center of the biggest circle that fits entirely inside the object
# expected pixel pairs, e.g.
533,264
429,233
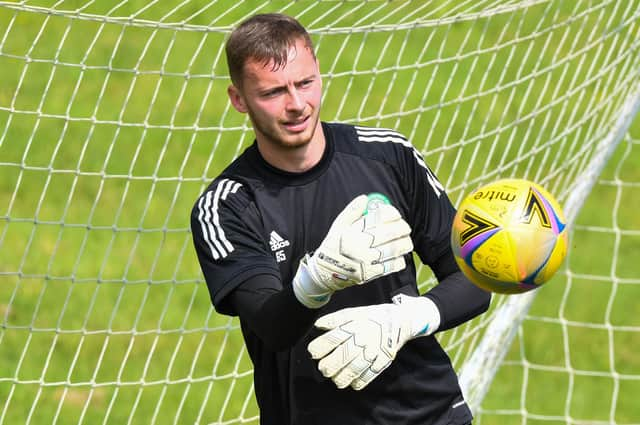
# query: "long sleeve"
271,312
457,298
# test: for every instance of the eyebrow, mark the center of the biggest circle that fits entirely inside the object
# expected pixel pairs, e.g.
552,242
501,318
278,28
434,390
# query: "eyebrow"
283,86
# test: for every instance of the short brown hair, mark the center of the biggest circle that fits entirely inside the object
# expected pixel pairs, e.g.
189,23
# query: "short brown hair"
264,37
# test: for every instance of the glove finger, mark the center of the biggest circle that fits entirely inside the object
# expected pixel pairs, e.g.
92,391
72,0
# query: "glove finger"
340,317
335,361
353,370
393,249
380,243
370,374
388,231
380,214
384,268
393,265
351,213
327,342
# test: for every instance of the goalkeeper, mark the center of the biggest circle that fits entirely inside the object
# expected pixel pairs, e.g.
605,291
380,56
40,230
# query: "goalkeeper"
319,271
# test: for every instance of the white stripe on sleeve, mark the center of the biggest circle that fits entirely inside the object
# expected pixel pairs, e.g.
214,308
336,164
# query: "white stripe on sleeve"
382,135
212,230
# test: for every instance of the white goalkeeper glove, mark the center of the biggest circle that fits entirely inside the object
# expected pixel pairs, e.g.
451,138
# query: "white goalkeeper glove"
363,243
361,342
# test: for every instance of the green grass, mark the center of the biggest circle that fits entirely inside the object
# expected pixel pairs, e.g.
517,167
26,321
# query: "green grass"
582,326
108,133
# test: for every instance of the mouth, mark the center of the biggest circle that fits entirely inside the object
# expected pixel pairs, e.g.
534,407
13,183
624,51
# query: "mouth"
297,125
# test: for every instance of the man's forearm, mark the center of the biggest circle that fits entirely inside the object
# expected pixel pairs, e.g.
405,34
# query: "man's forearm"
273,313
458,300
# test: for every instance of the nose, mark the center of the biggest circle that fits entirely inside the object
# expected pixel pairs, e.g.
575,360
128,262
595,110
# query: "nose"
295,101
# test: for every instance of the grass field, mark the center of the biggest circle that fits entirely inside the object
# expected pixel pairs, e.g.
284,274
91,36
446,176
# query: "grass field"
109,130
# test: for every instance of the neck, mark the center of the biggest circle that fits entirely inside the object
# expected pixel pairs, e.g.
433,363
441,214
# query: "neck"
294,159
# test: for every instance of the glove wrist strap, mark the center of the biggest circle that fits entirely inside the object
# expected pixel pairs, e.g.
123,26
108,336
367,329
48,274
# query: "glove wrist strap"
422,312
306,288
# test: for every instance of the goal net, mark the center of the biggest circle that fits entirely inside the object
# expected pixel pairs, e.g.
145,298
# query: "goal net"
114,118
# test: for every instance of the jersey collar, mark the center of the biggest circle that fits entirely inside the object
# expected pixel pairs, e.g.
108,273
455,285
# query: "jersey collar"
287,178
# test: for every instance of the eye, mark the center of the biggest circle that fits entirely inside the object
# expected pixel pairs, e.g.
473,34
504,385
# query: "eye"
272,93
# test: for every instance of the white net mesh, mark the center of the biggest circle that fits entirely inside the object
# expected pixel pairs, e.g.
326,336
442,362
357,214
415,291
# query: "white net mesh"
113,118
573,358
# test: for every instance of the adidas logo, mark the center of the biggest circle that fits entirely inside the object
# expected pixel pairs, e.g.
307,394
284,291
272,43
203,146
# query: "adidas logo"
276,241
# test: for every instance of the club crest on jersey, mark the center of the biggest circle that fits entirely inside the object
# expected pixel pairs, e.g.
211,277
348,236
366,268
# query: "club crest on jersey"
277,244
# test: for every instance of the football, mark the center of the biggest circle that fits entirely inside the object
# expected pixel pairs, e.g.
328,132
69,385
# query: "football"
509,236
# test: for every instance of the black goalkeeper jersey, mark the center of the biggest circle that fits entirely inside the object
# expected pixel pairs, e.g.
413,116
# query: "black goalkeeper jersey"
257,220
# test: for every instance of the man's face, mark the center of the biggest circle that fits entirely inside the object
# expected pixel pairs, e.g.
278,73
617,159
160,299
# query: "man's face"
283,105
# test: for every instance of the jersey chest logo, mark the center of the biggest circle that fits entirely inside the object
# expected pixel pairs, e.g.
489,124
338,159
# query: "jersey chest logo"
277,244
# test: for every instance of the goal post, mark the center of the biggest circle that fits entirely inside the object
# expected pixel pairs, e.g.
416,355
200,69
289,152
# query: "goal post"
114,118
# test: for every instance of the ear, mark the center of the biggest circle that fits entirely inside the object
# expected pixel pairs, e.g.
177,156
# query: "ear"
236,98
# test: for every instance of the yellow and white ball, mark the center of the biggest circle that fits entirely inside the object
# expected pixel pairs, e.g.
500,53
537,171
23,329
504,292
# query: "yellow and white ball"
509,236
